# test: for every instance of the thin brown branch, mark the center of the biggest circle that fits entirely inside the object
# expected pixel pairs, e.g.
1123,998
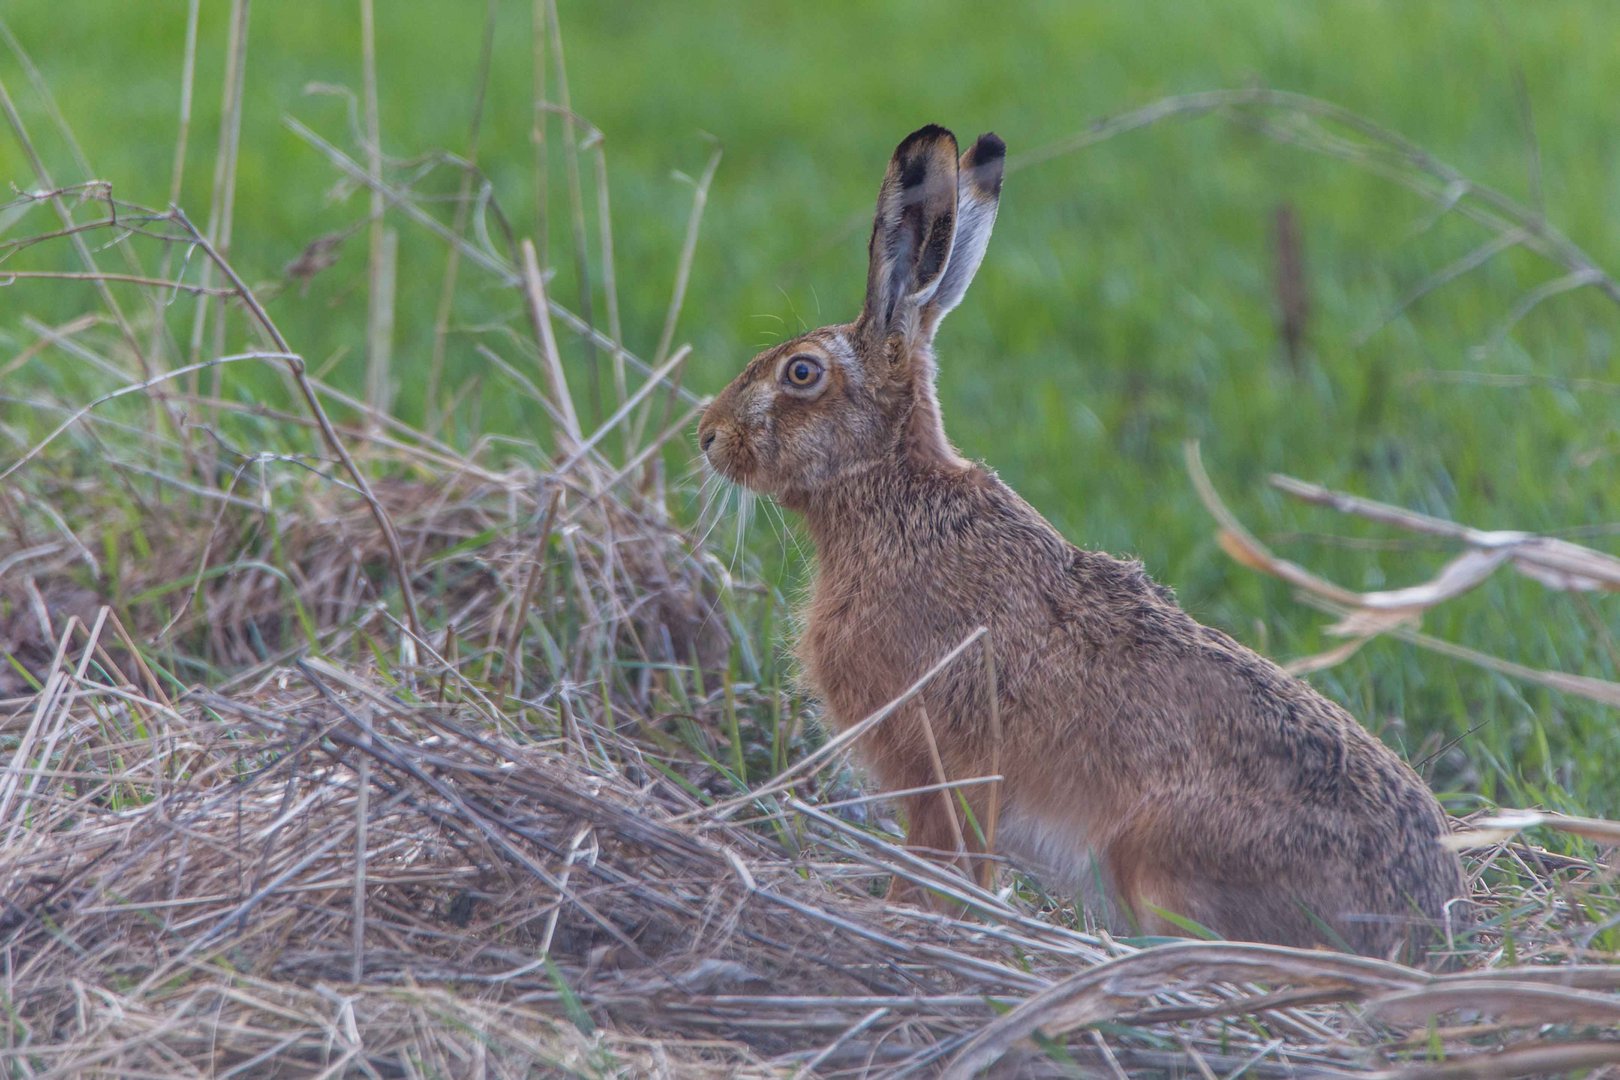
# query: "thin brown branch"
295,366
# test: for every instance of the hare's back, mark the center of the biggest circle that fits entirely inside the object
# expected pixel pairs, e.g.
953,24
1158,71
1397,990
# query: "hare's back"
1198,710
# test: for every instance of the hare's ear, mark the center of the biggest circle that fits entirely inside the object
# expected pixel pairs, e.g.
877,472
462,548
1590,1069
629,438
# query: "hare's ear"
912,233
978,195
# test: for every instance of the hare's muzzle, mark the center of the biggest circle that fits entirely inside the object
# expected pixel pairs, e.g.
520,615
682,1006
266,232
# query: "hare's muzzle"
710,441
708,430
725,448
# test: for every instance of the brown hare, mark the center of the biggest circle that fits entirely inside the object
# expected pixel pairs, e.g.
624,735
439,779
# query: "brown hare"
1153,764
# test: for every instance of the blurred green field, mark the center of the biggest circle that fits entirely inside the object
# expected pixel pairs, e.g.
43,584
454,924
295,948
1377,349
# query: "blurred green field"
1127,302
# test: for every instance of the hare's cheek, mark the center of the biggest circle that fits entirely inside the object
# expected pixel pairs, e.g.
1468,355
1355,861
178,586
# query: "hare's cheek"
818,462
755,409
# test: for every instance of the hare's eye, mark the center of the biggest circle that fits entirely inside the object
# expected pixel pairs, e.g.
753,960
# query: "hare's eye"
803,371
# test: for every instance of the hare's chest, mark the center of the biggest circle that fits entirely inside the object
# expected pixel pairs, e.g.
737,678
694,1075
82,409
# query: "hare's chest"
856,652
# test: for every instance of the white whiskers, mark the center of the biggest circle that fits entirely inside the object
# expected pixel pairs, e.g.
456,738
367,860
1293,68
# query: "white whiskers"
745,513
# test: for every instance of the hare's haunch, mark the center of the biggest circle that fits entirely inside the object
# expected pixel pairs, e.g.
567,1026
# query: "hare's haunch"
1151,763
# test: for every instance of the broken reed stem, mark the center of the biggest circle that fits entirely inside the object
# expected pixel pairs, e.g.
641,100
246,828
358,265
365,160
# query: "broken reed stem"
1557,564
1245,548
1601,691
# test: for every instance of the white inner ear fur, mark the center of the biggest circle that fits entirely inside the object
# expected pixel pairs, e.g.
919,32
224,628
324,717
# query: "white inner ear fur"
975,217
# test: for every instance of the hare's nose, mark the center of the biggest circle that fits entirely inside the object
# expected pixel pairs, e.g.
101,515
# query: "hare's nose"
706,440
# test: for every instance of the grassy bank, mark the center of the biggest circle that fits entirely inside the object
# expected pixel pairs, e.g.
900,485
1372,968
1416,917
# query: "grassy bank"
1128,302
389,719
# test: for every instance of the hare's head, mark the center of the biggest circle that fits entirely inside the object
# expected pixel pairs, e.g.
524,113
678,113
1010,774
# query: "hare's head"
807,414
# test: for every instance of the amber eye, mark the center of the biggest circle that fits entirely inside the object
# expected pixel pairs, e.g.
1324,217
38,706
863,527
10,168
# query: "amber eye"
803,371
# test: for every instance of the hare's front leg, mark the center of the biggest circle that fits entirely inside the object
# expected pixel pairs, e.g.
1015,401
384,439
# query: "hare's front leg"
936,827
936,833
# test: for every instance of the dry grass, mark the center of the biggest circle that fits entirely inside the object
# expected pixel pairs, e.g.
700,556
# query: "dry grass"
325,869
332,748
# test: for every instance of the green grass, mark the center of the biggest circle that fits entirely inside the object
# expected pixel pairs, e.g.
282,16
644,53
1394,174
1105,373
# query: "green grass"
1126,303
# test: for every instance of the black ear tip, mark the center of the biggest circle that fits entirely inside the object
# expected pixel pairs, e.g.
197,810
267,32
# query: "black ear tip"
929,132
922,138
984,163
989,147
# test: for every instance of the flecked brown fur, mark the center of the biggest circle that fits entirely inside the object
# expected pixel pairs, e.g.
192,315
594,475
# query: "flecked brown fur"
1152,763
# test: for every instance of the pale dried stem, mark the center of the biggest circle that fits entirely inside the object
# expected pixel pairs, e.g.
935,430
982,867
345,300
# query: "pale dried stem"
383,244
540,22
458,225
813,761
610,279
576,204
188,82
507,273
165,284
946,795
531,578
534,292
993,812
672,315
222,201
